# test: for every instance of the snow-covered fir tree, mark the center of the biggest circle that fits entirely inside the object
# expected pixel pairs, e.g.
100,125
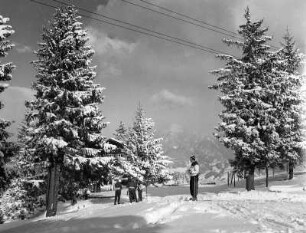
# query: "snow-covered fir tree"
290,55
252,97
6,70
121,133
122,166
146,151
126,165
65,119
291,132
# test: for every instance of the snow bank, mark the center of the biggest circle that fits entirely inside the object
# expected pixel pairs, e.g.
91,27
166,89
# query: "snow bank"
158,213
296,185
281,208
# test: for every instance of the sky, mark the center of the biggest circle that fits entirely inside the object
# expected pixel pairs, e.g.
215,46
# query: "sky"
169,80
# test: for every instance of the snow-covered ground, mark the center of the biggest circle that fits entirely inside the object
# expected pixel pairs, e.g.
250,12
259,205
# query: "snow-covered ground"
280,208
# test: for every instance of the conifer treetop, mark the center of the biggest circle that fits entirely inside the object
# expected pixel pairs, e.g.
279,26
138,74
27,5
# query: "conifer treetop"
254,39
292,58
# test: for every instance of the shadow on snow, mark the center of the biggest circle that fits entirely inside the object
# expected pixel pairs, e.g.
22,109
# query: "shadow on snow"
118,224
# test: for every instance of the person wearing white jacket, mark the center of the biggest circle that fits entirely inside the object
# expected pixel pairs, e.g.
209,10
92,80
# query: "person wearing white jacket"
194,178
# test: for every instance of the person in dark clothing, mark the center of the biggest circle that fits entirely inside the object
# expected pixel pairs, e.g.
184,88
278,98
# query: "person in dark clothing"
194,178
132,190
86,193
140,188
118,187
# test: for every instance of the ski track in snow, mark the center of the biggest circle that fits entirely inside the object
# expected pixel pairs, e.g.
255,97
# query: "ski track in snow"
273,213
273,210
271,216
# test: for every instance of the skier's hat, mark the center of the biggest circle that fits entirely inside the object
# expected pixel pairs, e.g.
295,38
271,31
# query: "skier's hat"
192,157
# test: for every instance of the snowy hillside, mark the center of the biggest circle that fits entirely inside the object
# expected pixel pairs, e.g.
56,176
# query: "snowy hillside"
281,208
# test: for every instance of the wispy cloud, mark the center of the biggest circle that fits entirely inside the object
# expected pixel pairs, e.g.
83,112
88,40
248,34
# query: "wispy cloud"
111,51
104,44
104,2
166,98
175,128
22,48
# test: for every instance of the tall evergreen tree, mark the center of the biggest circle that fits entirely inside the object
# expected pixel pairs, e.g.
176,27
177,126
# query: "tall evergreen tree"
146,151
290,62
250,87
64,117
6,70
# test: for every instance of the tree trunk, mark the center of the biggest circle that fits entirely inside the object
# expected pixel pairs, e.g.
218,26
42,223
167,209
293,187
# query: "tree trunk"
232,174
147,189
267,177
234,180
291,165
228,179
52,189
250,179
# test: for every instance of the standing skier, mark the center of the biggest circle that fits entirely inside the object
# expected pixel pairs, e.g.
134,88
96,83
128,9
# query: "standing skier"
140,188
132,190
118,187
194,177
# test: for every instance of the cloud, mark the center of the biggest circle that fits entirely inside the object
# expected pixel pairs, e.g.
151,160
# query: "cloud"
143,65
104,2
103,44
175,129
111,51
165,98
138,57
20,48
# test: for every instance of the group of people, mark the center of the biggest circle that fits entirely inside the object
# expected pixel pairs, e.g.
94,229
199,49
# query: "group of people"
133,186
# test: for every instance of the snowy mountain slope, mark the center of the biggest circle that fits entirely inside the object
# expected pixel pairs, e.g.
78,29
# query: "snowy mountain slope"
212,155
181,145
281,208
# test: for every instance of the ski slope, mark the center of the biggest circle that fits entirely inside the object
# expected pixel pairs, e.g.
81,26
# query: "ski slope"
280,208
